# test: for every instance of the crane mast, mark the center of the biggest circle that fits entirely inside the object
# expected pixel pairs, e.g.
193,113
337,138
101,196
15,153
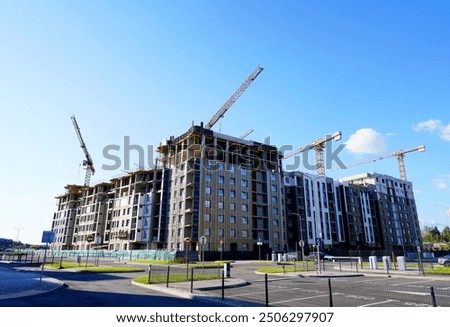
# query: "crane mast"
318,146
88,163
400,154
219,114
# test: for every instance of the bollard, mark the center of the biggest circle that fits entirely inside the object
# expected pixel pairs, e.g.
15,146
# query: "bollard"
433,297
192,280
330,292
223,285
149,274
266,282
168,275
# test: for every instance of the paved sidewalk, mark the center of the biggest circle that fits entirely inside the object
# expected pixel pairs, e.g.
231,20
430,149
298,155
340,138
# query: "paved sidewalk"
17,283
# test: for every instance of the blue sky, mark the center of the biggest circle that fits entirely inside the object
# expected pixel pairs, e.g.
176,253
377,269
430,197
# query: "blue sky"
146,70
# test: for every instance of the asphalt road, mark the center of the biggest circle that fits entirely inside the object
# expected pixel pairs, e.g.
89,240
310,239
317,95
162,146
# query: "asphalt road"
307,290
370,290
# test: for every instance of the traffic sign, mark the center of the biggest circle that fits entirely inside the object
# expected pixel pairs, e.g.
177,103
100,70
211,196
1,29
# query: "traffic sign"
89,238
48,236
301,243
203,240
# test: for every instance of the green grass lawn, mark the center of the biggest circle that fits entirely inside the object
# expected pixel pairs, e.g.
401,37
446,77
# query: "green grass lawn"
438,270
91,268
278,270
174,278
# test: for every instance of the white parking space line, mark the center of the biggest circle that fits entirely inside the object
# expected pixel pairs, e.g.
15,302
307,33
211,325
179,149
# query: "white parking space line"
263,292
412,283
303,298
377,303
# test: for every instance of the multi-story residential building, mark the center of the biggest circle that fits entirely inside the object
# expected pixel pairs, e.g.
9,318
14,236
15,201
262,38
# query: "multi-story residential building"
370,212
137,211
63,223
224,188
129,212
394,210
313,211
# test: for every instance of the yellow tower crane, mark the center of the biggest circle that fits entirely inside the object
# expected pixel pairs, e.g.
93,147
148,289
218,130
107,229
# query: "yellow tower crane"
318,145
219,114
400,154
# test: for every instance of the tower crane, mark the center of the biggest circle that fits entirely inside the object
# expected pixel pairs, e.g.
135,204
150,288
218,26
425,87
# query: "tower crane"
219,114
243,136
400,154
318,145
88,163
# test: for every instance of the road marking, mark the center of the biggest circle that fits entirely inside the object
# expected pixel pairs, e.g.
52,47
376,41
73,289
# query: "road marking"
303,298
377,303
415,282
263,292
412,293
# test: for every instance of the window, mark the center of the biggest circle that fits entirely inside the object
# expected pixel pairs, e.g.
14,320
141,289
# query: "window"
276,235
274,188
207,204
220,218
245,233
221,192
275,211
232,219
245,220
244,183
232,206
243,171
244,195
207,231
232,181
220,204
221,179
276,223
208,177
181,179
274,199
232,193
244,207
220,232
207,217
208,190
232,233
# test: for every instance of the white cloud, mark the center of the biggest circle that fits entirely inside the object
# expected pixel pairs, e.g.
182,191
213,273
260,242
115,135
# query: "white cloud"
428,126
366,141
445,133
434,125
443,182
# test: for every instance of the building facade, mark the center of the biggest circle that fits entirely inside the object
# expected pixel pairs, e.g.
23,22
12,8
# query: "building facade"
128,212
226,189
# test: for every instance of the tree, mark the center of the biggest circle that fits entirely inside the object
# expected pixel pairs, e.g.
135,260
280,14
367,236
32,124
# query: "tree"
431,234
445,235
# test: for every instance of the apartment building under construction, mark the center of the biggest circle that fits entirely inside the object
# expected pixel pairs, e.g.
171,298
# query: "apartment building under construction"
225,191
126,213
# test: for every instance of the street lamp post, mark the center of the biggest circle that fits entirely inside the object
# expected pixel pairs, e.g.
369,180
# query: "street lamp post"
17,236
259,243
301,241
